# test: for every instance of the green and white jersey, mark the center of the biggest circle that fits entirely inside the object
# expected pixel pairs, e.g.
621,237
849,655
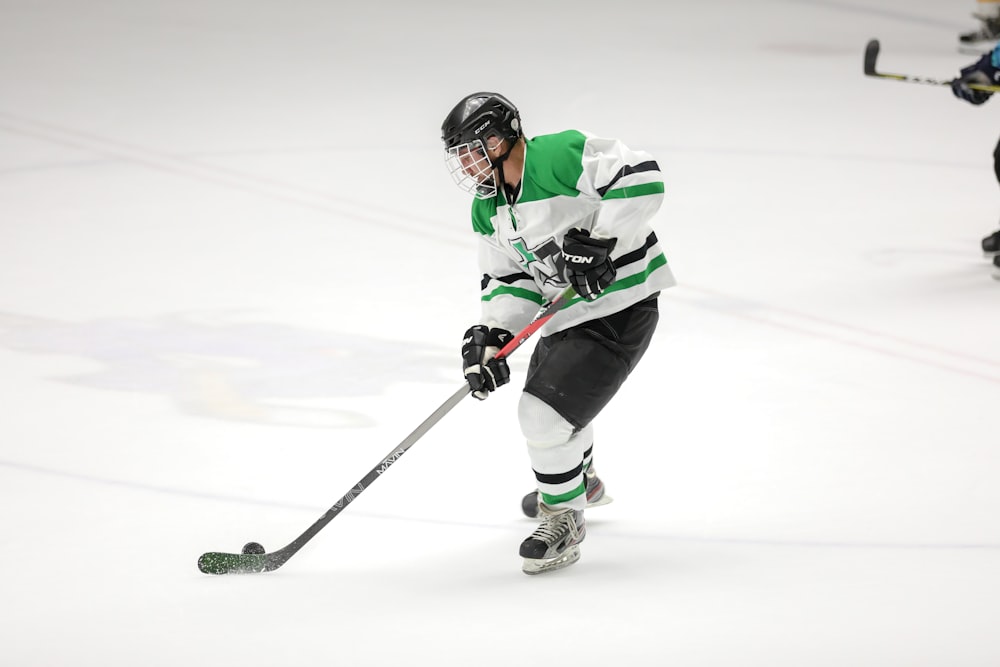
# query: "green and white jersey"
570,180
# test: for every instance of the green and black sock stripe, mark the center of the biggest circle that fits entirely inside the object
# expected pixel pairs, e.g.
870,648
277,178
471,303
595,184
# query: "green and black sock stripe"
561,487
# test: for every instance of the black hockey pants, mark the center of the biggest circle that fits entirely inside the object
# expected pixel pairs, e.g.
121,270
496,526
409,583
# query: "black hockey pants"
579,370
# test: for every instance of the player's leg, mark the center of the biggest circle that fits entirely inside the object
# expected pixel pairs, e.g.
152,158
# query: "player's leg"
556,451
572,376
595,490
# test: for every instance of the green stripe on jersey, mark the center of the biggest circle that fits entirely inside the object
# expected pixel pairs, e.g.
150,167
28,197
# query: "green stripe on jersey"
618,285
635,191
519,292
630,281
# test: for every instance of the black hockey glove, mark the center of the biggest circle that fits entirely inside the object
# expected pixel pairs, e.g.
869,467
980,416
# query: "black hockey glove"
484,373
981,71
589,268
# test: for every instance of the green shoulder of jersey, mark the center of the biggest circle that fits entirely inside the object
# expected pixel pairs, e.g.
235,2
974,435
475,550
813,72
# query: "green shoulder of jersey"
552,167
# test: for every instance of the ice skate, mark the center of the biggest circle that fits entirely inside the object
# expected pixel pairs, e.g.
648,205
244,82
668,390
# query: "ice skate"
555,544
595,496
983,39
991,244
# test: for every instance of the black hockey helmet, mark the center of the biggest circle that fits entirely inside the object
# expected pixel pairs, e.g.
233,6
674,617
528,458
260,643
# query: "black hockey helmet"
466,134
480,116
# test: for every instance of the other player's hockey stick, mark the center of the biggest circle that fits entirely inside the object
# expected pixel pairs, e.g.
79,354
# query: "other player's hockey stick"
215,562
871,55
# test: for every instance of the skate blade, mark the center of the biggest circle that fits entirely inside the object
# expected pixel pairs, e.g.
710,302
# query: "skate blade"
542,565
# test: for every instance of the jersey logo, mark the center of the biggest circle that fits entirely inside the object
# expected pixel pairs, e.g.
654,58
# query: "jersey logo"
544,261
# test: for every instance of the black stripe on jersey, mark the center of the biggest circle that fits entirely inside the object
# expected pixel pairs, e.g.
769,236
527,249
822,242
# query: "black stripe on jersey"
626,170
638,254
560,478
508,280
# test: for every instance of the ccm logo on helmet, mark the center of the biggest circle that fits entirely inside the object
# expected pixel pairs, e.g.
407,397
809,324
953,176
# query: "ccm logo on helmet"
482,127
578,259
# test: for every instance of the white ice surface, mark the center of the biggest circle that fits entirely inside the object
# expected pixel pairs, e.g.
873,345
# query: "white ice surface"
234,273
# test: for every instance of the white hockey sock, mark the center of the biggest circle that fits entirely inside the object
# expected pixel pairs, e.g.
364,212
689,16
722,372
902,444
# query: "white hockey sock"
587,435
556,454
559,473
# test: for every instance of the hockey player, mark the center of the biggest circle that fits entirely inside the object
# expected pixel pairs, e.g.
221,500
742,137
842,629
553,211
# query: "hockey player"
986,70
986,37
551,211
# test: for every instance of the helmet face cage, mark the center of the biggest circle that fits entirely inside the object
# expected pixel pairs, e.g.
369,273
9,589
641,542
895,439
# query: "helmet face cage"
471,169
478,118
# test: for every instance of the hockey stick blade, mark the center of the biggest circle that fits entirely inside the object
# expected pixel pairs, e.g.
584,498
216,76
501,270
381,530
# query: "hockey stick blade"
218,562
871,56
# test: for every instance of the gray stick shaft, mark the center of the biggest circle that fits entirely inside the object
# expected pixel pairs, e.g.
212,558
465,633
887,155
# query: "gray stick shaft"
377,471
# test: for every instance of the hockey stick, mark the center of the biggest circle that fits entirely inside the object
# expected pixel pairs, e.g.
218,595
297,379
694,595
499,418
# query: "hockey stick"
215,562
871,55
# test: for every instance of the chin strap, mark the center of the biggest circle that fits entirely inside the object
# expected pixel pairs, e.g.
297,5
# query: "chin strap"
498,165
503,158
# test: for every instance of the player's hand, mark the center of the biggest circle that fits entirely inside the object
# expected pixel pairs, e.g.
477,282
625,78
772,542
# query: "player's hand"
479,347
589,268
982,71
